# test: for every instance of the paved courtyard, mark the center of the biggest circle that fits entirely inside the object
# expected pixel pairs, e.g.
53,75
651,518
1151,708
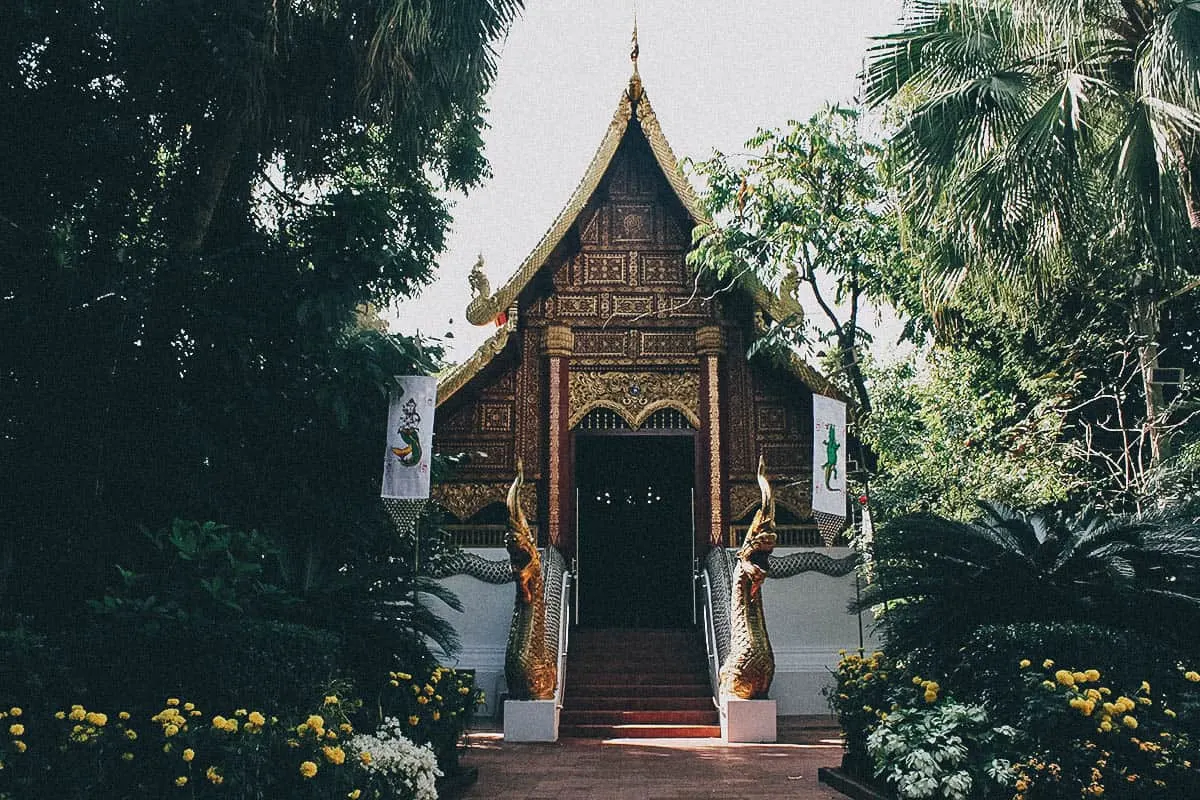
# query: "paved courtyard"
657,769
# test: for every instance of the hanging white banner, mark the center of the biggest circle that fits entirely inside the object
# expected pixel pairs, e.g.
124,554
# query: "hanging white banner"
829,456
410,438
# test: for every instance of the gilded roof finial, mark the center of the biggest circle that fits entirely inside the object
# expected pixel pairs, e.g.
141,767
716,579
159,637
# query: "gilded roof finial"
633,53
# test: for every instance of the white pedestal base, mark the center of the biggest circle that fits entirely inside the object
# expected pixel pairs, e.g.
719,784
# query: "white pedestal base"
748,720
530,721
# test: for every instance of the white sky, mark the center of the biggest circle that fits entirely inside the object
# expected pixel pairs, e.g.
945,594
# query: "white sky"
715,71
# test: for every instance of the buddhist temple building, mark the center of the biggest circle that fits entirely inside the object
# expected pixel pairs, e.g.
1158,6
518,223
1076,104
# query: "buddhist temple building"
621,382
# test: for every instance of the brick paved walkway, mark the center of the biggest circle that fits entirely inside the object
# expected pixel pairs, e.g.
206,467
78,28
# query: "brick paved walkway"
657,769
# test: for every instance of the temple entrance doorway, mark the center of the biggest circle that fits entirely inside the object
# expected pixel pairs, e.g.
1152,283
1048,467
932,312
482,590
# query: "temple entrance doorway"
635,535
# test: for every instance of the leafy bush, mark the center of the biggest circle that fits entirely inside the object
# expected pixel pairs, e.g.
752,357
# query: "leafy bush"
78,752
941,579
266,663
865,687
1084,733
434,705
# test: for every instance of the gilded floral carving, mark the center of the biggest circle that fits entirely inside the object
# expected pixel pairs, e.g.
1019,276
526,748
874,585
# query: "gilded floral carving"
634,395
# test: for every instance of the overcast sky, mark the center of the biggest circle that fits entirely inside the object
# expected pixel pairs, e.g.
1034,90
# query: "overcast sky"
714,71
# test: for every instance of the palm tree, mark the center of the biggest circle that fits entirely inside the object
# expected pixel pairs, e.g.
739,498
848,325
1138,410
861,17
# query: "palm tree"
940,579
1038,138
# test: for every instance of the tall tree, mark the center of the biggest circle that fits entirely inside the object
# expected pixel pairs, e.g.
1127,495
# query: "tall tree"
1041,140
806,211
198,200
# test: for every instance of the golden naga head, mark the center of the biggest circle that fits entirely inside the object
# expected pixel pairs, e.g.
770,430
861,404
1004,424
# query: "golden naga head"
760,538
522,549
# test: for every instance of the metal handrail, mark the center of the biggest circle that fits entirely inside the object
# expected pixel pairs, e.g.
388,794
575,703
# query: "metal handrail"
564,636
713,653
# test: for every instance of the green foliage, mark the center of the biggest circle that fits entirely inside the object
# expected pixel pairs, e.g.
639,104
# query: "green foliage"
199,211
953,427
947,750
942,579
198,570
864,689
85,752
807,209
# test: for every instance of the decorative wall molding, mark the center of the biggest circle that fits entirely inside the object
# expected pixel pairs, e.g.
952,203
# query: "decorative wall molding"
633,395
465,500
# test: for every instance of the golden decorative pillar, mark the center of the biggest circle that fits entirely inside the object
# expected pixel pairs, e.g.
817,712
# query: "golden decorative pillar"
710,346
557,346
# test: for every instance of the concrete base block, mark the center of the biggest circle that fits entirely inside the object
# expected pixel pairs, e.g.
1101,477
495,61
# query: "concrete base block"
531,720
748,720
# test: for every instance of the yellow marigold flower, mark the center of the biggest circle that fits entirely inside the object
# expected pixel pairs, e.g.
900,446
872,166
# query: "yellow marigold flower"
1024,663
1129,722
241,712
394,682
77,713
1169,712
60,715
19,745
334,755
331,700
364,757
218,722
1092,675
124,715
131,735
15,711
404,676
189,706
437,715
1192,676
189,754
172,701
414,719
422,699
171,730
464,690
1048,663
308,769
357,793
930,696
16,730
346,727
181,780
1064,677
1080,677
1049,685
231,726
256,718
428,689
213,776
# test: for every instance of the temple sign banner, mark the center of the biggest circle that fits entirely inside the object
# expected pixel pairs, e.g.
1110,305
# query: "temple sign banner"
410,438
829,456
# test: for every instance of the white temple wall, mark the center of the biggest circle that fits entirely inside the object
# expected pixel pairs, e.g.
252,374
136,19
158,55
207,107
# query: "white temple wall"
808,624
482,627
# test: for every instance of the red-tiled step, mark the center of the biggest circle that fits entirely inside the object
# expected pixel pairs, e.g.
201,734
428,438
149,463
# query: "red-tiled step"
637,684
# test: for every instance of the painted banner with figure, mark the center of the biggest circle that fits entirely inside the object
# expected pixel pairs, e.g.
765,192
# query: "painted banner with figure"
410,438
829,456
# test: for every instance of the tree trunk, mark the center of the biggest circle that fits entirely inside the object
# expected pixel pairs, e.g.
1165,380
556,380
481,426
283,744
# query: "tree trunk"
210,183
1146,324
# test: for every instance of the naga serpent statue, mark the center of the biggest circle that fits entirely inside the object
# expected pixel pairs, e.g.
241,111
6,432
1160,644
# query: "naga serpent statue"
529,667
750,665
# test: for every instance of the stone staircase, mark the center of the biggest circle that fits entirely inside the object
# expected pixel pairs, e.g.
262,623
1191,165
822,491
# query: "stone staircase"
637,683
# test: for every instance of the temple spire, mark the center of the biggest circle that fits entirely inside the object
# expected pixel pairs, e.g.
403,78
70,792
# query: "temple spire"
633,53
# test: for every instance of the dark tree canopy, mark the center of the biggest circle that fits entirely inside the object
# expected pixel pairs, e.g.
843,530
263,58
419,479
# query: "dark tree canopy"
199,201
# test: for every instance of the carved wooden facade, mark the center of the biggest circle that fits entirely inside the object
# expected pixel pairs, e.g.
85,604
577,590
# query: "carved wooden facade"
606,314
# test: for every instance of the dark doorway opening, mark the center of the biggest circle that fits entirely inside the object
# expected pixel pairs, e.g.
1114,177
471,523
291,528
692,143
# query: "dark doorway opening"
635,536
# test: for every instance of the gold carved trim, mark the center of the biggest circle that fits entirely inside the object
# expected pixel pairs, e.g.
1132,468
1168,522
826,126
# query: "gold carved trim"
465,500
745,498
554,526
633,395
714,451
